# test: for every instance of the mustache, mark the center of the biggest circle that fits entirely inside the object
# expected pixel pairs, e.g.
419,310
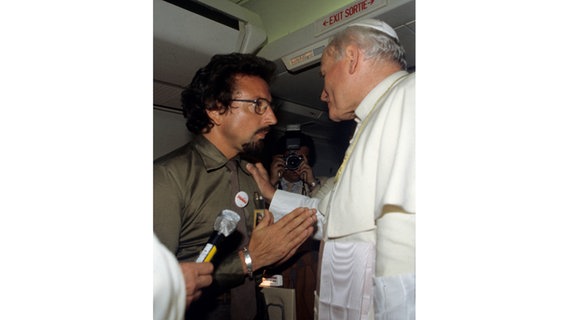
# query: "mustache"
263,130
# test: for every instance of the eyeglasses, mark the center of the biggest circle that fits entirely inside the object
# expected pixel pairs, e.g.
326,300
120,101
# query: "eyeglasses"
260,104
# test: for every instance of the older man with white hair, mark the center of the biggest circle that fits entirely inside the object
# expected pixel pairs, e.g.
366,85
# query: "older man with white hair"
367,221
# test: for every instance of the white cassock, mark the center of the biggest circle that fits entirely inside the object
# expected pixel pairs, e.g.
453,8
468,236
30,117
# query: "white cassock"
367,221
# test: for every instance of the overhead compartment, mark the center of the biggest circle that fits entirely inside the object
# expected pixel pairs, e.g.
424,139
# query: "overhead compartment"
186,35
303,48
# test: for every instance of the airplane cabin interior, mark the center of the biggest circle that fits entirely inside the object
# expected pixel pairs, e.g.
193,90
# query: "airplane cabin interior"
290,33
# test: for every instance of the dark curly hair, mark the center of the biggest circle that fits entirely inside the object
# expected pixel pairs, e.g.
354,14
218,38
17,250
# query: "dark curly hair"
213,85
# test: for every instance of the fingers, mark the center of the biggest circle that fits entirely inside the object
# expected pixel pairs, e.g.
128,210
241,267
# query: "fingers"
300,225
276,167
252,169
196,276
258,172
267,220
204,281
307,229
296,226
205,274
204,268
299,216
262,179
271,242
192,297
261,169
301,240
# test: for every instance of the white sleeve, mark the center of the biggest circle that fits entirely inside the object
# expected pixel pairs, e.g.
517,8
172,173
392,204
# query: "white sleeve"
283,202
169,285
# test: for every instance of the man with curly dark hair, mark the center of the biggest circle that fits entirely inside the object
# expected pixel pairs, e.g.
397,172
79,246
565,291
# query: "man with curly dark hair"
228,107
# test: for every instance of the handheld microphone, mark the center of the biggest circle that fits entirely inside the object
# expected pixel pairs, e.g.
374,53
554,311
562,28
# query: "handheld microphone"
225,224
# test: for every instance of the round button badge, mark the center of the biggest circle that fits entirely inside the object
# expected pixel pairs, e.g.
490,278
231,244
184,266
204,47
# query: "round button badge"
241,199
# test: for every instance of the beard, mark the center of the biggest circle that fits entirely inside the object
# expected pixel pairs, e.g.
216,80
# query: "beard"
253,149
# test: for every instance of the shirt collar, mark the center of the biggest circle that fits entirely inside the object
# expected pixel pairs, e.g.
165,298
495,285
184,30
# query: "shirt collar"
369,101
286,182
212,158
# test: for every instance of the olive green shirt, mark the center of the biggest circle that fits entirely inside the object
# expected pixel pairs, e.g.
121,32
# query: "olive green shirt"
192,185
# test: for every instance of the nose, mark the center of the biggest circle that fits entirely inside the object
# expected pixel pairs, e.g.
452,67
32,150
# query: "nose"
270,117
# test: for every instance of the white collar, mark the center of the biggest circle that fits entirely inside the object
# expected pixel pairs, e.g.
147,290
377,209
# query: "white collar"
370,99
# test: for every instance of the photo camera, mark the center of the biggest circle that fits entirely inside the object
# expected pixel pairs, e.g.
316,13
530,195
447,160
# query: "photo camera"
292,160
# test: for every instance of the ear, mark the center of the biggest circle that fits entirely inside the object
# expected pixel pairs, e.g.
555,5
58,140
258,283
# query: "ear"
215,116
352,56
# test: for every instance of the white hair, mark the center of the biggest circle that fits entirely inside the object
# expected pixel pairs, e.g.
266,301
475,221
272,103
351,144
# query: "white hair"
374,44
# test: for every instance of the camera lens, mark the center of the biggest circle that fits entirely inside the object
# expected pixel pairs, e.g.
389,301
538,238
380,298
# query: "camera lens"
293,161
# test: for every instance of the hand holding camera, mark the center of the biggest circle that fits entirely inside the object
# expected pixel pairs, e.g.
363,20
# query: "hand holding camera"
291,163
276,169
294,166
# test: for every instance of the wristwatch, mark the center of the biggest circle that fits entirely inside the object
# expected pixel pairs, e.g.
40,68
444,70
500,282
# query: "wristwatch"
314,183
248,262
